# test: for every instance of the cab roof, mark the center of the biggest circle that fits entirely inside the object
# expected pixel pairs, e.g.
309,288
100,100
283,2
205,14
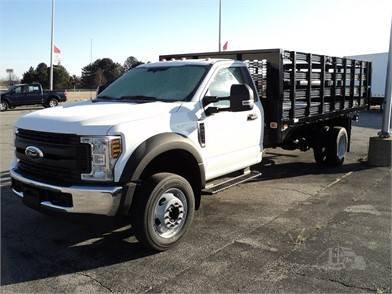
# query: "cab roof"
204,61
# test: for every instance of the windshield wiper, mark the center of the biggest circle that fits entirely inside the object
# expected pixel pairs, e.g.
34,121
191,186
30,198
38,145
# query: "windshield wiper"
143,98
103,98
140,97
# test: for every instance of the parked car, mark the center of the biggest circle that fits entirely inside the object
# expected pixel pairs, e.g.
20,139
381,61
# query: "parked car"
163,133
30,94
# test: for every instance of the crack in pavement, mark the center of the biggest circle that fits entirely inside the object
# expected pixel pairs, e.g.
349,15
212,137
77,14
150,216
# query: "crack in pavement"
347,285
294,190
95,280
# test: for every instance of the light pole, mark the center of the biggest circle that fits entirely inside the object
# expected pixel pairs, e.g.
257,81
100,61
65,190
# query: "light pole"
380,147
386,119
220,24
10,71
52,48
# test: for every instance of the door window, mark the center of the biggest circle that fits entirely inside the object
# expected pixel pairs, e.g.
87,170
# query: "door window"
33,89
18,90
222,82
25,89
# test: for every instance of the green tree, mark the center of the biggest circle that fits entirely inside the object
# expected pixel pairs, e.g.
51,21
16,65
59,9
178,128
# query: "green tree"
61,78
100,72
29,76
42,74
131,62
75,82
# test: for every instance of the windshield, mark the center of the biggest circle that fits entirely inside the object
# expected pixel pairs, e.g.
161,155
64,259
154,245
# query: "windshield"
160,83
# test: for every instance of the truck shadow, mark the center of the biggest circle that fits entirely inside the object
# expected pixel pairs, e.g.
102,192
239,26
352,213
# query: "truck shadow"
36,246
25,108
270,169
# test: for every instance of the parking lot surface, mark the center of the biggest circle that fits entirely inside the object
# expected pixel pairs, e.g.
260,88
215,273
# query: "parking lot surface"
298,228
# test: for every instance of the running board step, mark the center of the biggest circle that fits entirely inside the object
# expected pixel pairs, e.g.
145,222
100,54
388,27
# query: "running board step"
215,188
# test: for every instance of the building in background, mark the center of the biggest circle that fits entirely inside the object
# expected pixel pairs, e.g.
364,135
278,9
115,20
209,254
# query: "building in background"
379,70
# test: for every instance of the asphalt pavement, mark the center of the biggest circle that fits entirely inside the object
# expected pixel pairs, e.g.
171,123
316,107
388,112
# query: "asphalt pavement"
298,228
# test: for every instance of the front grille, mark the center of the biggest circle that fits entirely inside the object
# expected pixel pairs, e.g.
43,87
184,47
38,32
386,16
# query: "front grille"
65,158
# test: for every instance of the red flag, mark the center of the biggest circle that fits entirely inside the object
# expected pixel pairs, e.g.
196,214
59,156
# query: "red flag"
225,46
56,50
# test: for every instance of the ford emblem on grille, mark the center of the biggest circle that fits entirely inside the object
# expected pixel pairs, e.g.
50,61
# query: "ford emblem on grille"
33,152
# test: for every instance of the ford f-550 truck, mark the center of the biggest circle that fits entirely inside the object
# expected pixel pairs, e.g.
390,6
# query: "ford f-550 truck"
163,133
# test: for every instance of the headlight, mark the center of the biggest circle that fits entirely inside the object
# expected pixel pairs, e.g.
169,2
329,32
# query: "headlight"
105,150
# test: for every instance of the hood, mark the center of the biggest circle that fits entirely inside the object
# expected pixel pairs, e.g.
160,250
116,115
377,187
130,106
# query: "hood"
89,118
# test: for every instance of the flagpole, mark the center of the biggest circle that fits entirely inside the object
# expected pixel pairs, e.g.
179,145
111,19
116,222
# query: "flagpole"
52,48
220,24
91,51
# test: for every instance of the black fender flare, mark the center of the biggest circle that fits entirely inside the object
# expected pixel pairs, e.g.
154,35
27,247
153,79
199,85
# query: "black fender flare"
146,152
154,146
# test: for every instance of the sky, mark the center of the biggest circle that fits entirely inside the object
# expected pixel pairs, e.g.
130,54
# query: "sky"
147,28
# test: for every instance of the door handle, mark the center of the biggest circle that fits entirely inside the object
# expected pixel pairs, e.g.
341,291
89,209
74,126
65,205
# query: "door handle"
252,116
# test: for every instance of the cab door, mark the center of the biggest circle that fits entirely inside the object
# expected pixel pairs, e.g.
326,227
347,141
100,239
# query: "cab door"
15,97
232,139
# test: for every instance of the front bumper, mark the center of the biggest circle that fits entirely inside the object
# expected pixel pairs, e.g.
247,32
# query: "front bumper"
102,200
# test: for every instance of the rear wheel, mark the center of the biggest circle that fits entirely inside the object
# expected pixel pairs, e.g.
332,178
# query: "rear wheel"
331,146
4,105
320,149
53,102
163,210
338,148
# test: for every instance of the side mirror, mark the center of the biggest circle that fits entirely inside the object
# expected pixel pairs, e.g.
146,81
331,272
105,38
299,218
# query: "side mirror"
241,98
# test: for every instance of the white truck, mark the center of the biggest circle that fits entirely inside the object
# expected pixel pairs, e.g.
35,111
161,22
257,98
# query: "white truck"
378,75
164,133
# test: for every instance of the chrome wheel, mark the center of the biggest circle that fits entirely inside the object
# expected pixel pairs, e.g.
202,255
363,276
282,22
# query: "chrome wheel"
3,106
170,213
342,147
53,103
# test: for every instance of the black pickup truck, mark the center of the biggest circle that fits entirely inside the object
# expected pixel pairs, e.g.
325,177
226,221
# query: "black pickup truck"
30,94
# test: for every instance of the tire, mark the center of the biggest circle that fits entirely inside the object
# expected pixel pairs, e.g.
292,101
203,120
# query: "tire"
162,211
338,146
331,146
4,105
320,149
52,102
320,154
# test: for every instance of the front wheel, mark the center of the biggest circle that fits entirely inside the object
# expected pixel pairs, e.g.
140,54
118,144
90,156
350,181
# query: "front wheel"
163,210
4,106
